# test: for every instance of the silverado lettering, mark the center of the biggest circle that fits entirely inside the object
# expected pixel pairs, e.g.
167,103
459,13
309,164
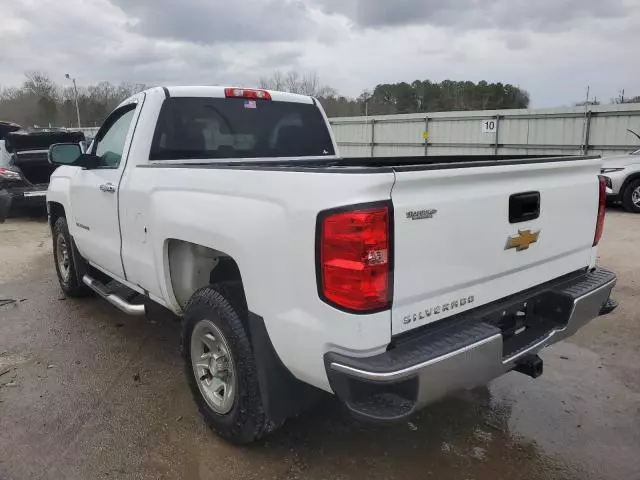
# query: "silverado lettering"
445,307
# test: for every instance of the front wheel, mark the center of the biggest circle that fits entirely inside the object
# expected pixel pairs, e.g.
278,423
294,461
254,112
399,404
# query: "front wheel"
65,261
220,365
631,197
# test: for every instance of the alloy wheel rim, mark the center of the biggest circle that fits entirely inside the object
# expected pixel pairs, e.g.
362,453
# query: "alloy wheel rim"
635,197
213,366
64,265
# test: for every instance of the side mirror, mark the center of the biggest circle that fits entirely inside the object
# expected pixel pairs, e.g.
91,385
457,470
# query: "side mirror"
88,161
64,153
71,154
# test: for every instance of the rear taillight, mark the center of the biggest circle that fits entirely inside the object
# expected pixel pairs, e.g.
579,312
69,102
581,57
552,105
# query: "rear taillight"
602,208
354,255
247,93
9,174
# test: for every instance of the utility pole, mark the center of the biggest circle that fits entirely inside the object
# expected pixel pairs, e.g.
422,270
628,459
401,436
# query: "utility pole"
75,90
366,98
587,124
588,90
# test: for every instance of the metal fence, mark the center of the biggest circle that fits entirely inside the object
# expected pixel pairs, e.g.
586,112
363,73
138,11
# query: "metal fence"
89,132
598,129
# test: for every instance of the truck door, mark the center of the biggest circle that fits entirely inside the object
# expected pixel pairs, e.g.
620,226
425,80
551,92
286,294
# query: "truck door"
94,192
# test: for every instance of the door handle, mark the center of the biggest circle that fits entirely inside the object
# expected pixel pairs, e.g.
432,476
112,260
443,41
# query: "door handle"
107,187
524,207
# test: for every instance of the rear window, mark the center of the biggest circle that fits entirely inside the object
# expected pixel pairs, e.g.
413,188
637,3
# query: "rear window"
193,128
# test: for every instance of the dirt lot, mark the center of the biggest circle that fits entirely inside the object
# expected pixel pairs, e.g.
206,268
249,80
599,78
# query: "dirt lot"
86,392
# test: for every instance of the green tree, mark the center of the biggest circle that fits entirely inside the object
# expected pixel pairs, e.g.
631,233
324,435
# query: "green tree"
448,95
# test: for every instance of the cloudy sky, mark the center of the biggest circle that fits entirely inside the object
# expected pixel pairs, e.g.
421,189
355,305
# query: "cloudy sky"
552,48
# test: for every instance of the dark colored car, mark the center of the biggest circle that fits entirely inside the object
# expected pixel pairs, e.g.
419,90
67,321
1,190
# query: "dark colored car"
8,127
24,165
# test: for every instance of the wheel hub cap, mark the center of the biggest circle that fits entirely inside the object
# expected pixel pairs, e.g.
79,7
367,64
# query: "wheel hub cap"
635,196
63,258
213,366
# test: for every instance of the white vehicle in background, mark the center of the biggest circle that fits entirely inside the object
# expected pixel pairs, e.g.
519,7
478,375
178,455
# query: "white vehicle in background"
622,174
389,282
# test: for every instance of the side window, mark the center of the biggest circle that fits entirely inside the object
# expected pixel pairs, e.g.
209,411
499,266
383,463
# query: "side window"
109,144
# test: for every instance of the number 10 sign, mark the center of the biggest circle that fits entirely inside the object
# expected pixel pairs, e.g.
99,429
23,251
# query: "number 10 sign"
489,126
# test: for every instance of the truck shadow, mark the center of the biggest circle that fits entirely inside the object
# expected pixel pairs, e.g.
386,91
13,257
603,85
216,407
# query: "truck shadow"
466,436
119,406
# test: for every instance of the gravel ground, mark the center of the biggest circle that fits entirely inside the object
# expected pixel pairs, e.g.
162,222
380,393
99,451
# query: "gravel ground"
86,392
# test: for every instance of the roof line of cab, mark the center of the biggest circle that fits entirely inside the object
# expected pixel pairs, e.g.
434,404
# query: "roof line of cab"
219,92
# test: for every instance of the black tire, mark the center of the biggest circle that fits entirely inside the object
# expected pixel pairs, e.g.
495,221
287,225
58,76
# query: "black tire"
627,197
71,283
225,308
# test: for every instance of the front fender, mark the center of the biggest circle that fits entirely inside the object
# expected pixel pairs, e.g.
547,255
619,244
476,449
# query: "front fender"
59,192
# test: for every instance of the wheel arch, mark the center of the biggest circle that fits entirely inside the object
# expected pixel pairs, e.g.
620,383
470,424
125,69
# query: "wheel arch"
191,266
626,194
628,181
56,210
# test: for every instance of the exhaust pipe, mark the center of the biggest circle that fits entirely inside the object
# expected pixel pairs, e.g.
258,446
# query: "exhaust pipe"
530,365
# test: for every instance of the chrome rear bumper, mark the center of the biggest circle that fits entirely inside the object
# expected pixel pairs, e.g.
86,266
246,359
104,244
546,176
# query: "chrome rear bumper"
469,352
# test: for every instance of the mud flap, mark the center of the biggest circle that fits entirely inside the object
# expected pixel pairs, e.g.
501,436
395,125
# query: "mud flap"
283,395
5,204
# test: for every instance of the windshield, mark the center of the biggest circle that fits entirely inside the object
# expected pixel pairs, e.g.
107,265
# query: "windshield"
222,128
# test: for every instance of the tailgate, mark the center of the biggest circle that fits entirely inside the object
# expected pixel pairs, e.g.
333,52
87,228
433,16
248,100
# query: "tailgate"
452,230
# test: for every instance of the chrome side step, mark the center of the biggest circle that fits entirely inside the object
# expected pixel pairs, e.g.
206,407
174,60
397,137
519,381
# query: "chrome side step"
113,299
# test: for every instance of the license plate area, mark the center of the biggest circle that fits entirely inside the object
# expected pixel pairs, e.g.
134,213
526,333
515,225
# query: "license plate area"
527,322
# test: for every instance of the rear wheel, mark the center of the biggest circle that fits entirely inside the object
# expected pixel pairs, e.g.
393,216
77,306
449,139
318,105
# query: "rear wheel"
65,261
220,365
631,197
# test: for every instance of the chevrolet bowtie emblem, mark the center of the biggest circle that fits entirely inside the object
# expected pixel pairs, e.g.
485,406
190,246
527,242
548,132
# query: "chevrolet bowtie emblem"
523,240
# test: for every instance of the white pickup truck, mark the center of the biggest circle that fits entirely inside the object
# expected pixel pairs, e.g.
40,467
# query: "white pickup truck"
389,282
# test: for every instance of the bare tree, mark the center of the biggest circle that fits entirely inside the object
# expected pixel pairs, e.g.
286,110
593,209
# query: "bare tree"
292,82
309,83
306,84
40,101
11,93
274,82
40,84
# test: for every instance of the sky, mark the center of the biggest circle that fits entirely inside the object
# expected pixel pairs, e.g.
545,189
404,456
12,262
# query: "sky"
551,48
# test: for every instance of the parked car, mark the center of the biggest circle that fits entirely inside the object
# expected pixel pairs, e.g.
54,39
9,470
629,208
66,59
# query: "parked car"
5,198
24,165
389,282
622,174
8,127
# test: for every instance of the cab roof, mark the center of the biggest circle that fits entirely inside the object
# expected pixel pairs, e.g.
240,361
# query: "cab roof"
219,92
